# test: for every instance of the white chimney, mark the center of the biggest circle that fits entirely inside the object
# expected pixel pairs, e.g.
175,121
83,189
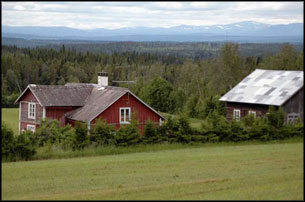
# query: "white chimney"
102,78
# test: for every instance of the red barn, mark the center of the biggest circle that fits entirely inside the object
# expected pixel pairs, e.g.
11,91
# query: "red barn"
264,88
83,102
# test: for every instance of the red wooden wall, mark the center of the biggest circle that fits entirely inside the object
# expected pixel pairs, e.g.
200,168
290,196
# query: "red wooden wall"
112,114
51,112
244,108
59,113
24,120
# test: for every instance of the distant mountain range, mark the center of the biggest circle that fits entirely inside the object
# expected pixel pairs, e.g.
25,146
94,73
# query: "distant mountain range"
248,31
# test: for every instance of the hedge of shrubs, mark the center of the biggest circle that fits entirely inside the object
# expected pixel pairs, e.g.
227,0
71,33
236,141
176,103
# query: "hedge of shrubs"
174,130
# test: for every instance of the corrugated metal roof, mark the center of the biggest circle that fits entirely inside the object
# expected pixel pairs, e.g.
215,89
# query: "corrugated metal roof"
100,99
52,95
268,87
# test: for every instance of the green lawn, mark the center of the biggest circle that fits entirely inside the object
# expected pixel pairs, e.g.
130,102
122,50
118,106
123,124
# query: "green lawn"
249,172
11,117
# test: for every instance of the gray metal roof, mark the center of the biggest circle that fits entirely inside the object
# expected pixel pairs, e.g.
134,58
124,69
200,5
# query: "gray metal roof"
268,87
53,95
100,99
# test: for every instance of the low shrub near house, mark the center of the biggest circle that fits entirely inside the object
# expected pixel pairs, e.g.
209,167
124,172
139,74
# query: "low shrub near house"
128,134
81,136
102,134
14,148
151,134
7,142
48,132
24,148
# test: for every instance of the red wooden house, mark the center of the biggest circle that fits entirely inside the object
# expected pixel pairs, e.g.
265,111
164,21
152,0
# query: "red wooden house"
83,102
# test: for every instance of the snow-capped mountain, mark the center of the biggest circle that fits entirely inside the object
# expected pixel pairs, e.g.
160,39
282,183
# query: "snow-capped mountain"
244,29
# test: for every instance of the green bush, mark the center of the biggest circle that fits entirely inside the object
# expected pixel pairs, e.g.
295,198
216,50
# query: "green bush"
275,117
102,133
169,129
236,132
67,137
293,130
207,132
261,130
81,135
128,134
7,142
48,131
185,131
24,148
151,133
220,126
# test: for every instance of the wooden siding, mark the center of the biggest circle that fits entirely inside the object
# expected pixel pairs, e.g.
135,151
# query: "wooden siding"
24,112
29,97
71,122
111,114
244,108
51,112
59,113
24,104
295,105
23,125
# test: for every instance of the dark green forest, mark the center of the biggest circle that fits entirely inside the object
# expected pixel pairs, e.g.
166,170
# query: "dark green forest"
190,83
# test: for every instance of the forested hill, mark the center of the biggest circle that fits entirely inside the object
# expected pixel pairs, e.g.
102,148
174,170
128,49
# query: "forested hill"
198,50
167,82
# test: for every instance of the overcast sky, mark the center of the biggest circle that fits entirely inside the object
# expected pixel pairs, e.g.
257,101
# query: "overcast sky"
110,15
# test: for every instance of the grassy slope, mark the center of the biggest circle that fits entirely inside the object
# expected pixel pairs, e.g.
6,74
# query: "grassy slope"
270,171
11,117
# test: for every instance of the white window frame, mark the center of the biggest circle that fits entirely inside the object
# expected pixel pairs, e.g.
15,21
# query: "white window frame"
31,127
125,121
236,118
30,114
292,117
160,121
252,113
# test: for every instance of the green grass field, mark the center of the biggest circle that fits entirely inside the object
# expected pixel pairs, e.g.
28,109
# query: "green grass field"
11,117
249,172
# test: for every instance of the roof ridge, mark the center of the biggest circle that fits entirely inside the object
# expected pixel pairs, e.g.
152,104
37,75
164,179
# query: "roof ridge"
57,86
279,70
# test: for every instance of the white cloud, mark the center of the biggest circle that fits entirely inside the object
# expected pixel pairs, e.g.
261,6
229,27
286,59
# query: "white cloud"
88,15
19,8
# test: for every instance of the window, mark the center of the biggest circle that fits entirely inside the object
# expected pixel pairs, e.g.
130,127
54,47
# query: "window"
31,110
31,128
125,115
160,121
292,117
236,114
253,113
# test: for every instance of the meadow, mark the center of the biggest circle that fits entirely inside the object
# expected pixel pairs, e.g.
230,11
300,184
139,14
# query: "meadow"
223,172
11,117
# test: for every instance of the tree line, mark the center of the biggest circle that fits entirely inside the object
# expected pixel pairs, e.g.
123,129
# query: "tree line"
166,82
